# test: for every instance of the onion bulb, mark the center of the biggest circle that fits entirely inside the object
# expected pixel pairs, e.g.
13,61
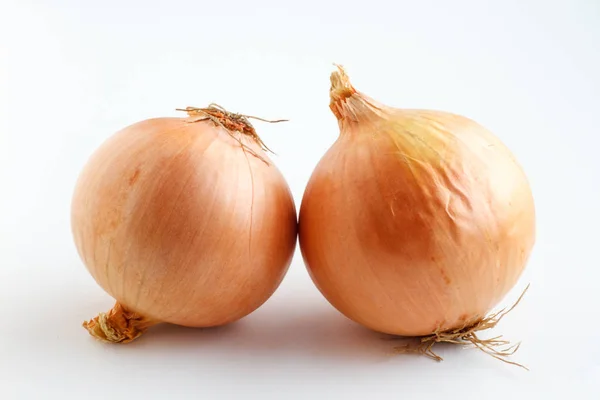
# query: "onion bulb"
183,220
414,222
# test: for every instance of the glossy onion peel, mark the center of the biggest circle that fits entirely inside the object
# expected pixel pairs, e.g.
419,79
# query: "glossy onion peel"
183,220
415,222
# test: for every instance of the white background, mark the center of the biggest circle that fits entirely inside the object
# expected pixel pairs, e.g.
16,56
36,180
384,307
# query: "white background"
73,72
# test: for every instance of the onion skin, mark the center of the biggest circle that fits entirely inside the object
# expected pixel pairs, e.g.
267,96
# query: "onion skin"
180,224
414,222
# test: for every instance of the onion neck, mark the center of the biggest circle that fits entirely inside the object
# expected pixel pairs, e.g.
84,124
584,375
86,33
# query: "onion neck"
341,90
349,106
119,325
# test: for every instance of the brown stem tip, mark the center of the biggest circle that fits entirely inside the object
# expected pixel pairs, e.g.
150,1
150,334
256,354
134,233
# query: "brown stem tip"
341,88
119,325
496,347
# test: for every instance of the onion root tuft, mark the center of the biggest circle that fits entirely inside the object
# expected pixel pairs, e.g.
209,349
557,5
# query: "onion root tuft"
231,122
467,335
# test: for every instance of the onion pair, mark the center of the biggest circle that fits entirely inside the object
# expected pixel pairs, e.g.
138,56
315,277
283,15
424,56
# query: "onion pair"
414,223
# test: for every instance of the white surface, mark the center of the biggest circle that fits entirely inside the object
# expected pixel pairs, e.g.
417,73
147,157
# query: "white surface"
73,72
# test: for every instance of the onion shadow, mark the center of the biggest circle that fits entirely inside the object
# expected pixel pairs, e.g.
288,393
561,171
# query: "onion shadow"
313,331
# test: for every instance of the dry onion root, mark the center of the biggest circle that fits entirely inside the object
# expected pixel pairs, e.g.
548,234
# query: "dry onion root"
468,336
183,220
416,223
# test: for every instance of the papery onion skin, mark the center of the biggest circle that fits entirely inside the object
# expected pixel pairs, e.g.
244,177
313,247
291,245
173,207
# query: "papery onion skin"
414,222
180,224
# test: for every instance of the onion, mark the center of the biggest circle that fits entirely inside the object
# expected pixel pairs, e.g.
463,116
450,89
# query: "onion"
415,222
183,220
